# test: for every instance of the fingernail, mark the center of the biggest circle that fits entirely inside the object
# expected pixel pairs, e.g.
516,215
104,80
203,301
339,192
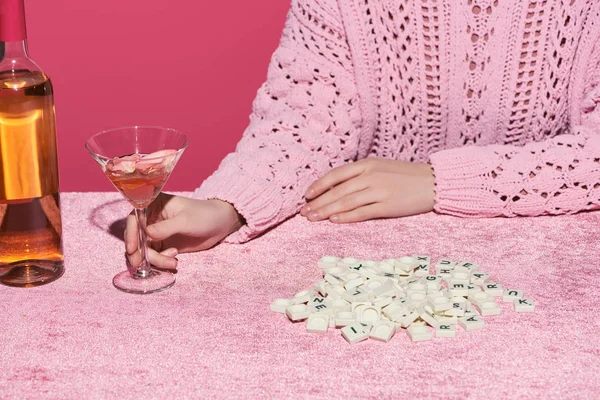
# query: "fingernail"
304,210
312,215
173,263
170,252
334,218
309,193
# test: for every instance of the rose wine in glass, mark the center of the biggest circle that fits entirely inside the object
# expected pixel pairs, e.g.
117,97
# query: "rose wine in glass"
138,160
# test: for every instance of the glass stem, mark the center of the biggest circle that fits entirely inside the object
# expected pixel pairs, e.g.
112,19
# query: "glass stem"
144,270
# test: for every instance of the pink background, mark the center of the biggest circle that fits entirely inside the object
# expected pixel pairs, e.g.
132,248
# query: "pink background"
190,65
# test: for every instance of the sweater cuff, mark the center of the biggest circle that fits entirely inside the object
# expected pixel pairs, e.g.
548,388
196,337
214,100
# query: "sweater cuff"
259,202
463,185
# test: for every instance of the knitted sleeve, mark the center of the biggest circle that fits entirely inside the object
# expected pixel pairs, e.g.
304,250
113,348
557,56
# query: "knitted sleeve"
305,120
560,175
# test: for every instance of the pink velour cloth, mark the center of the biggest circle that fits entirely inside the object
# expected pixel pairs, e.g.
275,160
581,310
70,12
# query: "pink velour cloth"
212,335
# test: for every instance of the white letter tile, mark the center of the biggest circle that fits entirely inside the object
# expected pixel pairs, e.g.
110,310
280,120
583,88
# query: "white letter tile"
524,305
317,323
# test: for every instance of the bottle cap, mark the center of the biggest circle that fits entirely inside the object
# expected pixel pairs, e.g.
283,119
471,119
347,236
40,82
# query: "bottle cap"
12,21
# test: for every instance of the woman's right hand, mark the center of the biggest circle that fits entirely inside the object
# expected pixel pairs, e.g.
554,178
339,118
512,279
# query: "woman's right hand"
179,225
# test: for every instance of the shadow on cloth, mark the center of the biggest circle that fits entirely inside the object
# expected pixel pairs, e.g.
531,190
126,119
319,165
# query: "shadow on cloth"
103,217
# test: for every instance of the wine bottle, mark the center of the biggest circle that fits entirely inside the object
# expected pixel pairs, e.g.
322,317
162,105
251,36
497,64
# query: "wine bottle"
31,252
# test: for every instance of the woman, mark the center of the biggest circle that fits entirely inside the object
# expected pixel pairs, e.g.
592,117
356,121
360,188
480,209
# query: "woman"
378,109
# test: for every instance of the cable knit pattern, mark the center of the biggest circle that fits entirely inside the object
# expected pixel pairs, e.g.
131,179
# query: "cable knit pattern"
498,95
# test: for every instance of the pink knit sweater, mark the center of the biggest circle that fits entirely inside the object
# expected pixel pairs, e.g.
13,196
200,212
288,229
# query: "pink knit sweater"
498,95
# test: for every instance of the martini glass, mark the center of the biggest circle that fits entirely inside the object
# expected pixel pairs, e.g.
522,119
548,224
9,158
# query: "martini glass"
138,160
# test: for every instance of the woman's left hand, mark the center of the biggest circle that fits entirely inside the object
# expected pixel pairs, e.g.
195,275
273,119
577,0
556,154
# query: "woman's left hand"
370,188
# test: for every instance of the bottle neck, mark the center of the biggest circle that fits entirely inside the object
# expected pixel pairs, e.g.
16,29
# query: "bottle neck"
13,50
13,37
12,21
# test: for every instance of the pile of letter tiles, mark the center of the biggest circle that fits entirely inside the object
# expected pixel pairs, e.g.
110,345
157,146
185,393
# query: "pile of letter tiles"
369,299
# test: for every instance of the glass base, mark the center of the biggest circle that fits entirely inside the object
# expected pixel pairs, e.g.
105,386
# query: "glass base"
30,273
157,281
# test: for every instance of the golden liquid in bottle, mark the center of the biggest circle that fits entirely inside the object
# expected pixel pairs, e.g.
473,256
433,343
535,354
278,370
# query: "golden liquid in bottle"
30,221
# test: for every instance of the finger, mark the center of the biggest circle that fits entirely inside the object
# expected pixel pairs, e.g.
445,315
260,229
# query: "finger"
165,228
135,259
162,261
188,244
333,178
165,259
131,234
312,210
364,213
344,204
170,252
